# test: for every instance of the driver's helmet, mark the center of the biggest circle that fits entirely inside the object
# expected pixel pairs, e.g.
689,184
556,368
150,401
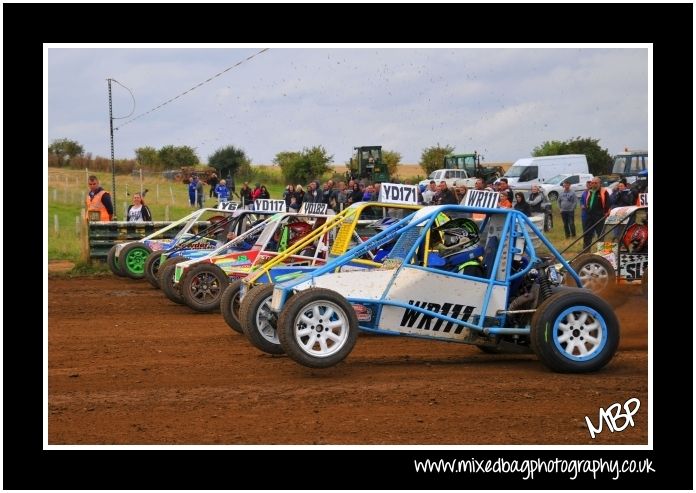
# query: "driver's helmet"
384,223
636,237
460,232
297,231
215,226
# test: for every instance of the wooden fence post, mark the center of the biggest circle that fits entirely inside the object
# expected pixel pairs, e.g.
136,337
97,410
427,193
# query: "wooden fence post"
85,239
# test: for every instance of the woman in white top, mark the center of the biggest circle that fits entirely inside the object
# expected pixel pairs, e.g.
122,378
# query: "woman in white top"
138,211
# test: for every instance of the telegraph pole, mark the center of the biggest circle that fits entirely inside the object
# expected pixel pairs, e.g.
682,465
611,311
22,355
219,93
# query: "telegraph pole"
113,164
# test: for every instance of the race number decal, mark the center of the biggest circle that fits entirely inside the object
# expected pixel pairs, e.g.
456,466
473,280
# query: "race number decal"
395,193
643,199
268,205
228,206
481,198
313,208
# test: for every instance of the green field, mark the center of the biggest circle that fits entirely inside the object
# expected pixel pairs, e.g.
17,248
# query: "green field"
168,200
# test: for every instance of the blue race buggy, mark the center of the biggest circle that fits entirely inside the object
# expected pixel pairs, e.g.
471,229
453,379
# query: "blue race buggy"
512,301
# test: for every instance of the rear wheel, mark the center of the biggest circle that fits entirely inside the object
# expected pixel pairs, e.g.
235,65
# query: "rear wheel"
131,259
259,321
203,286
111,261
574,332
151,268
318,328
230,305
596,273
166,280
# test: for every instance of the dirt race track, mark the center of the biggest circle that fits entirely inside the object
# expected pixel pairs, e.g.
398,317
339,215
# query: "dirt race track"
127,366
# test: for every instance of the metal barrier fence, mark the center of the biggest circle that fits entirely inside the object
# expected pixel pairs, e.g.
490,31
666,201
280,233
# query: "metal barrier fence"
103,235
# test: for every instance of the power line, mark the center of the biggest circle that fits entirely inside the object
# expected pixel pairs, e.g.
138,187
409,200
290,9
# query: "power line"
194,87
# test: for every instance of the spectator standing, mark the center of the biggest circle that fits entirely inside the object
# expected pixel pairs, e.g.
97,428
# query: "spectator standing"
567,202
230,184
192,192
199,192
314,194
245,194
597,204
355,193
522,205
294,206
98,201
429,194
213,182
256,193
299,194
288,193
503,201
504,187
138,211
222,192
263,193
536,198
445,196
622,196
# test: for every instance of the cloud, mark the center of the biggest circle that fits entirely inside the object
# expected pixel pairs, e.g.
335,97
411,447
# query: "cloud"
502,102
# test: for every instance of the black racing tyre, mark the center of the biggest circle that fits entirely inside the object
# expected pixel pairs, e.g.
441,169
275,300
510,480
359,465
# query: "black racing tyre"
112,263
166,280
317,328
151,268
202,287
644,285
596,273
230,305
131,259
258,321
574,332
553,196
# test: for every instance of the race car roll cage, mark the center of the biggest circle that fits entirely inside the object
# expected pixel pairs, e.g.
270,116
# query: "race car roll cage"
514,227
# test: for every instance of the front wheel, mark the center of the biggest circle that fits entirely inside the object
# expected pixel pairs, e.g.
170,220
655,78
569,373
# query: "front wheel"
574,332
553,196
317,328
166,280
230,305
151,268
596,273
259,321
203,287
131,259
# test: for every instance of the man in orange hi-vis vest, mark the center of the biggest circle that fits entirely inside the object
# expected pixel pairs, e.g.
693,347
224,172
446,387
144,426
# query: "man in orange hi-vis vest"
98,200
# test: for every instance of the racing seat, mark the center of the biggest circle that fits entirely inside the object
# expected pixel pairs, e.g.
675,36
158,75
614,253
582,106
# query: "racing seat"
453,261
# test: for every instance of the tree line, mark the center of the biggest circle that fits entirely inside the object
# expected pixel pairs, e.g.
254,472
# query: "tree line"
297,166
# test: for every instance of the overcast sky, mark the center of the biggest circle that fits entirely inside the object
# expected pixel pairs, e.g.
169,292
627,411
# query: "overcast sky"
500,102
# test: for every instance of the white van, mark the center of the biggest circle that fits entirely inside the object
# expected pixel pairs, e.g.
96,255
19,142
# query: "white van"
529,171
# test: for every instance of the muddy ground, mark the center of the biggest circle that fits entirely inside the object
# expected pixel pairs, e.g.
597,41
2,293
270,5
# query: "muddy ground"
127,366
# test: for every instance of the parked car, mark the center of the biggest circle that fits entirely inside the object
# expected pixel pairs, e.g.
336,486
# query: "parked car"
453,177
552,188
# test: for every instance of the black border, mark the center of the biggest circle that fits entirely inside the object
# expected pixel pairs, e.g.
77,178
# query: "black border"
669,27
